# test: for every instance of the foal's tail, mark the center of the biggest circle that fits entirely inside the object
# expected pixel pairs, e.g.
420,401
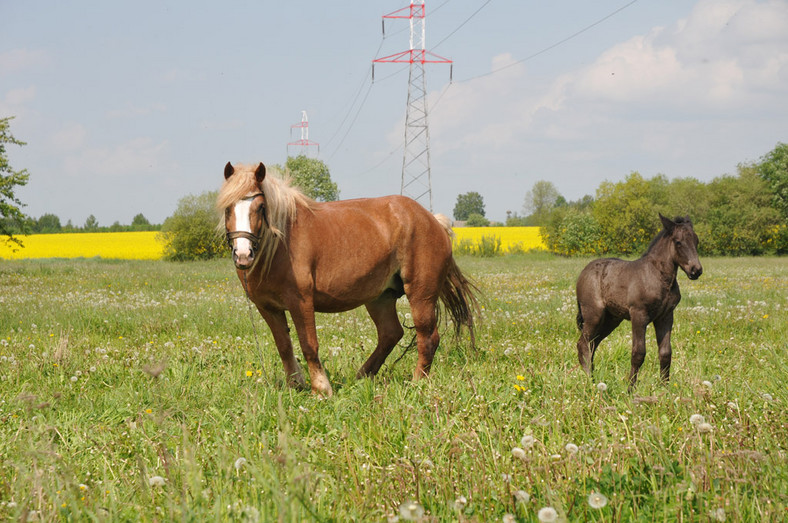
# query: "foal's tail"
579,317
459,295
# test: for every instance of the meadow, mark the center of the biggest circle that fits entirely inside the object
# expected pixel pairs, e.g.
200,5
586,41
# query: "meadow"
149,391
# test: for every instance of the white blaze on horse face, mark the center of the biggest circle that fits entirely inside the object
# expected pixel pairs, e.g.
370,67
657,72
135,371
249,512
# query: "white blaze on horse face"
243,247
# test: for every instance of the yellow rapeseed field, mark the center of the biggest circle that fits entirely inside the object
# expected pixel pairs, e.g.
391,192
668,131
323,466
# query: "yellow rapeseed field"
512,238
119,245
144,246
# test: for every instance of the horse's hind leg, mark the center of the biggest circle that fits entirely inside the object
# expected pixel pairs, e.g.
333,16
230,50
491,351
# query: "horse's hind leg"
383,312
639,323
427,337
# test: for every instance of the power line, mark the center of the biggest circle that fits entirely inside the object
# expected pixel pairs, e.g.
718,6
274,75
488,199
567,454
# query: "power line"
553,46
462,24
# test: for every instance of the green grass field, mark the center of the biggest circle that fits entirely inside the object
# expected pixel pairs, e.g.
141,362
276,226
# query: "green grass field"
135,390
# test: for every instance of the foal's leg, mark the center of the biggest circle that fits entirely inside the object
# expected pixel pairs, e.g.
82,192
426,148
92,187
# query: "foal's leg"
662,327
303,315
595,329
640,321
383,312
277,322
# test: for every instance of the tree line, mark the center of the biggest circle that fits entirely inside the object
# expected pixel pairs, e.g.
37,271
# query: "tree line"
733,215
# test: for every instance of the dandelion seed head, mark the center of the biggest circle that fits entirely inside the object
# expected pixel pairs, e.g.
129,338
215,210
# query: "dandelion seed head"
74,379
522,496
717,514
547,515
601,386
411,511
240,463
704,428
707,384
460,503
518,453
156,481
597,500
509,518
697,419
571,448
527,441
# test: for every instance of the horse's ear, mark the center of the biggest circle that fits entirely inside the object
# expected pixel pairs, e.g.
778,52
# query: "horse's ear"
667,223
259,174
228,170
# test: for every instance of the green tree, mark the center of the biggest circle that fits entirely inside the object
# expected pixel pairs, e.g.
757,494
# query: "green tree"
774,170
191,233
48,223
312,177
467,204
91,223
12,219
540,200
627,212
140,221
741,219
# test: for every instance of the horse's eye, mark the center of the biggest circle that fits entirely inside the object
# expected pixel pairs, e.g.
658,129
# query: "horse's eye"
678,243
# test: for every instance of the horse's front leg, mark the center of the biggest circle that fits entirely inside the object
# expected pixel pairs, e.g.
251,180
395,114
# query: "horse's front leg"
663,327
303,315
277,322
639,323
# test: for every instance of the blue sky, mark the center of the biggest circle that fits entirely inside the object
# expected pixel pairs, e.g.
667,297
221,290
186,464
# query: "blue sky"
128,106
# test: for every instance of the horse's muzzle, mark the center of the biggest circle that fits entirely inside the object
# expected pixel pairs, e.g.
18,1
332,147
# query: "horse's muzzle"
694,272
243,261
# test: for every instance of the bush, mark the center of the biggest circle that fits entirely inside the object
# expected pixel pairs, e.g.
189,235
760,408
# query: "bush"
477,220
191,233
577,234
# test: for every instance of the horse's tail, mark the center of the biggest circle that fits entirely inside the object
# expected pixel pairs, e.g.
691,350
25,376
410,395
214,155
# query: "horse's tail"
458,294
459,298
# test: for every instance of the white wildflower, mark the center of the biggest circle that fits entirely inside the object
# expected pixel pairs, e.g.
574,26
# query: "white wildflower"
240,463
601,386
571,448
527,441
522,496
518,453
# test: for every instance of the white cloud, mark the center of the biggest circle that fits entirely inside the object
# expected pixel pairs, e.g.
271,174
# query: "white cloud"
135,157
17,60
133,111
69,138
13,103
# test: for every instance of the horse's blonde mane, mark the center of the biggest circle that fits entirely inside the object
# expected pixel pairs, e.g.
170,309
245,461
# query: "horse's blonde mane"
281,200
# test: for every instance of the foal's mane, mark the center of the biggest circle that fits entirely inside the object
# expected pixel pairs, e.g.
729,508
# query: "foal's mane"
281,201
678,220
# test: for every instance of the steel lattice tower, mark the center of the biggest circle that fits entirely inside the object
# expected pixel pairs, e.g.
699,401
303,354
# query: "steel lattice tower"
416,174
304,142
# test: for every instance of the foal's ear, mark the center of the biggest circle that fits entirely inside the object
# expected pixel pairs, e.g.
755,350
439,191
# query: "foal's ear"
259,174
667,223
228,170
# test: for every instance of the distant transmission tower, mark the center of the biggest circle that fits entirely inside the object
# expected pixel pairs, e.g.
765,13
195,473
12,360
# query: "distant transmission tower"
304,142
416,175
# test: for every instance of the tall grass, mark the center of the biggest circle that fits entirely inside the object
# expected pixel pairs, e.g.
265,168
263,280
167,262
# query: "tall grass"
140,390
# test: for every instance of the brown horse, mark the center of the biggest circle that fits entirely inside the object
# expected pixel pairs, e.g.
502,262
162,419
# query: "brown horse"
294,254
645,290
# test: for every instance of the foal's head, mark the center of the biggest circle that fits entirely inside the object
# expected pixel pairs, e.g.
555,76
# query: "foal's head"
684,245
244,212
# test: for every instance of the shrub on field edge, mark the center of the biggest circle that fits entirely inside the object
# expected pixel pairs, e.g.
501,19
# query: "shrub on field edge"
191,233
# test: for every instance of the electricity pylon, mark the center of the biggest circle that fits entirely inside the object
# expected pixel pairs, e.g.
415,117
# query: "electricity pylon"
416,174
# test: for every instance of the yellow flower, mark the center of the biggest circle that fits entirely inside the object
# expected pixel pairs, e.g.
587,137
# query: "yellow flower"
520,378
149,411
248,374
